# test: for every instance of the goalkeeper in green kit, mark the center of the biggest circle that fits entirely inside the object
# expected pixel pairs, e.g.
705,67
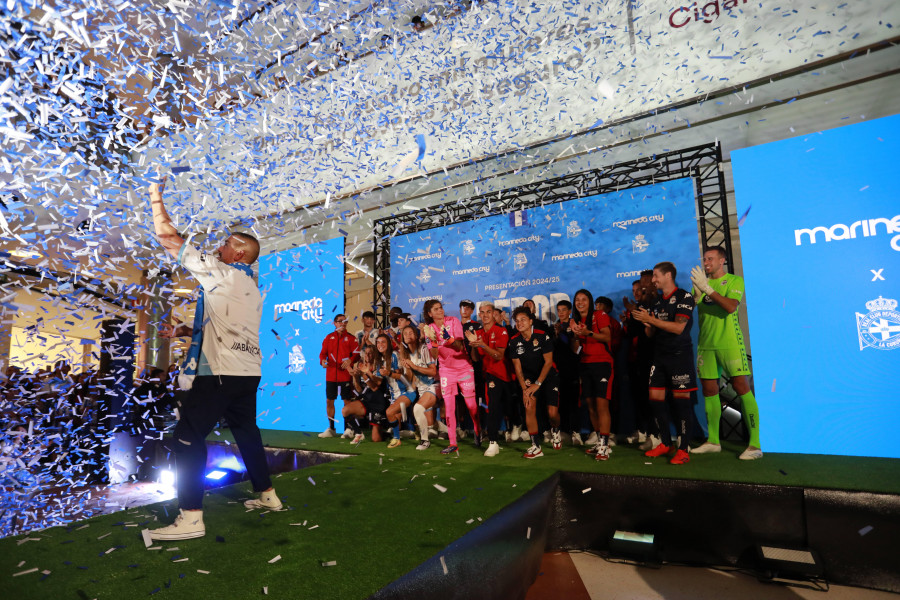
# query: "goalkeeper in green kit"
721,348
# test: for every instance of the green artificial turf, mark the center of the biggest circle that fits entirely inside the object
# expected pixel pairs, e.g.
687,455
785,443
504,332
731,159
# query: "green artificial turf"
377,514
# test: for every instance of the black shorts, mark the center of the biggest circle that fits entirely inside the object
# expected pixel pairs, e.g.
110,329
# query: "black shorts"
549,391
346,389
674,372
596,380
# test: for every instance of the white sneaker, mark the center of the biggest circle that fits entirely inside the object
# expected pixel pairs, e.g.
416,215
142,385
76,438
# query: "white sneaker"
525,436
328,433
442,427
576,439
432,432
612,439
424,445
268,500
706,448
546,437
516,433
750,453
507,436
556,439
650,443
347,435
533,452
592,439
642,437
187,526
358,439
603,452
460,433
493,449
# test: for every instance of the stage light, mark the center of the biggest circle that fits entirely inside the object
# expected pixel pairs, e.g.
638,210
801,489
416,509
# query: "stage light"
630,544
216,475
788,563
167,477
231,463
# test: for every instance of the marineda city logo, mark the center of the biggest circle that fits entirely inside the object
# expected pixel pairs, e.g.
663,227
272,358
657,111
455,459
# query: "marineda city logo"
310,309
864,228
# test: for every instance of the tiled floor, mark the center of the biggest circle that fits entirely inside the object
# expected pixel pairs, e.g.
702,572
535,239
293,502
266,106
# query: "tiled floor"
583,576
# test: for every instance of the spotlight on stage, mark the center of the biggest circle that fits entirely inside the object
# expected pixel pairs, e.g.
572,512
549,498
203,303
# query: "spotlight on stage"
799,564
167,477
635,546
216,475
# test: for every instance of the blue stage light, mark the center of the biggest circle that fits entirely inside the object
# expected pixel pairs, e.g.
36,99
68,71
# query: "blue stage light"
216,475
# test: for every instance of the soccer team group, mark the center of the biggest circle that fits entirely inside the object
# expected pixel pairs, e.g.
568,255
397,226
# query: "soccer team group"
520,377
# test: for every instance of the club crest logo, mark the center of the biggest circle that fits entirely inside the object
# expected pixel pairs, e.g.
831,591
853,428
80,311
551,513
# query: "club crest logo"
424,276
639,244
573,230
519,261
296,360
468,247
880,327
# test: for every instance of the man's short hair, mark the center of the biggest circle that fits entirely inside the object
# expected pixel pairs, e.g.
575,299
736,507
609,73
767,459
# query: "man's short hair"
405,315
565,303
468,303
605,302
666,267
647,273
369,314
719,249
487,303
252,251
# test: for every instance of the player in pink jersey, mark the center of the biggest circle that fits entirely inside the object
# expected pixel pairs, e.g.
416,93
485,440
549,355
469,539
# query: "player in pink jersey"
445,340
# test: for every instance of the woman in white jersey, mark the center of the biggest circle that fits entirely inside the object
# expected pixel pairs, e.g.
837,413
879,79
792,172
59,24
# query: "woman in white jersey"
416,357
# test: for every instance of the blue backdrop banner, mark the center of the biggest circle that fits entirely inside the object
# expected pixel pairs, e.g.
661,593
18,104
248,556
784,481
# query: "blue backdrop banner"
821,253
600,243
303,288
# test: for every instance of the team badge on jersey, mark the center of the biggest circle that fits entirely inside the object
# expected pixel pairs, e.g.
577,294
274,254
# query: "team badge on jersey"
880,327
534,342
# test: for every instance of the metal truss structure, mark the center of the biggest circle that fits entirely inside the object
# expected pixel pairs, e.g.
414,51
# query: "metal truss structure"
702,163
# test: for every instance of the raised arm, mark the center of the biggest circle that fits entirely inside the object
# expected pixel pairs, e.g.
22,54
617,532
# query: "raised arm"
166,233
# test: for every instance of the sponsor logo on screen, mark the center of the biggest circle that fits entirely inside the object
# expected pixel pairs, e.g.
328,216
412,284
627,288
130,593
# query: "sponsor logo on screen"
413,302
418,257
639,244
643,219
296,360
310,310
573,230
519,261
521,240
840,231
628,274
481,269
571,255
880,327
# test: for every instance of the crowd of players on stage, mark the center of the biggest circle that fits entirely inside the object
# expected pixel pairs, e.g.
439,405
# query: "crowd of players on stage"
508,377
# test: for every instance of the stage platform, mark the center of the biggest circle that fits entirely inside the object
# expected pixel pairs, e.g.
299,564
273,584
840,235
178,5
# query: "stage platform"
391,523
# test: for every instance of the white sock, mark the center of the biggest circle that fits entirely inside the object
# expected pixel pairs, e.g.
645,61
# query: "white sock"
421,421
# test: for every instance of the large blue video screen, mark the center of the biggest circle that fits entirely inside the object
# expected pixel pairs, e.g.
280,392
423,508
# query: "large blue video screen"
547,253
821,254
303,289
